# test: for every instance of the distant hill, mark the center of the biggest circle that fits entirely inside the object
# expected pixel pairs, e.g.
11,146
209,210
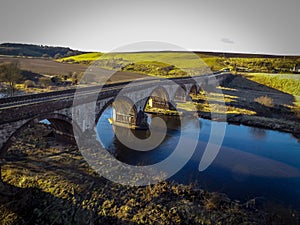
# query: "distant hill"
15,49
169,62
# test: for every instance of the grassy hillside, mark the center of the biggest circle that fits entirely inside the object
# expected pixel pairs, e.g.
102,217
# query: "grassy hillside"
36,50
276,64
180,59
85,58
158,63
192,63
289,83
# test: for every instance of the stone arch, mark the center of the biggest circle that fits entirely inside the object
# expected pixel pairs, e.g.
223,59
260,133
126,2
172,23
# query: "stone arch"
124,110
194,90
62,125
159,98
180,94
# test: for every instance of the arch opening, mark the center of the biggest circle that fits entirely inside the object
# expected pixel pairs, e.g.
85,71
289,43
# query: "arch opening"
194,90
58,125
159,98
117,118
124,111
180,94
197,93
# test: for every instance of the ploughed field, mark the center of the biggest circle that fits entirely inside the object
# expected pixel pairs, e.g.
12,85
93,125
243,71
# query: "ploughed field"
52,68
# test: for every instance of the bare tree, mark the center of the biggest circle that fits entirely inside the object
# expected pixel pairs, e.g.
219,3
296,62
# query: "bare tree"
11,74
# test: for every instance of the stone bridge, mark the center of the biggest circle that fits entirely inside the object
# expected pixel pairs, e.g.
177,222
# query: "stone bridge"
82,108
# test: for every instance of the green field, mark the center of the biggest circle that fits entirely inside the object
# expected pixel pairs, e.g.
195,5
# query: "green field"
186,63
86,58
288,83
158,63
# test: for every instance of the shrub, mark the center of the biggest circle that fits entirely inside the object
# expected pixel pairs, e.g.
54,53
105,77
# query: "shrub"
265,100
57,56
199,107
29,83
45,56
45,81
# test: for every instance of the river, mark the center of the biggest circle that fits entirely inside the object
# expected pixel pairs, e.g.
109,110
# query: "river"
252,162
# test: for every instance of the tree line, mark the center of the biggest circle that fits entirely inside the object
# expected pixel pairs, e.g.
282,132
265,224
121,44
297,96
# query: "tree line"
36,50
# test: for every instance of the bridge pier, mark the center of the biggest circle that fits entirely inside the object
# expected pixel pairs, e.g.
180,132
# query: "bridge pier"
133,120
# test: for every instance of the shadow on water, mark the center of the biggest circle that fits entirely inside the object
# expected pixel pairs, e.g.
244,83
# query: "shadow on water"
133,157
252,162
258,133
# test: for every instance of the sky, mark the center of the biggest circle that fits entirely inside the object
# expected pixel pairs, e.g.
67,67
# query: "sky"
252,26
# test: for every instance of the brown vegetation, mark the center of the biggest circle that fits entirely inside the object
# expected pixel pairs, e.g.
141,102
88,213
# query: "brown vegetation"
265,100
46,183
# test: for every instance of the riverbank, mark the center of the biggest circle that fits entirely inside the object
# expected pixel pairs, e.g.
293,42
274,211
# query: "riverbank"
239,116
242,101
273,109
277,124
50,183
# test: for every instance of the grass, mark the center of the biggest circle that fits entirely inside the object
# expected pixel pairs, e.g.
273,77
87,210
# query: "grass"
289,83
182,60
187,106
147,62
262,64
83,58
162,111
297,101
213,107
218,108
189,61
56,186
8,217
265,100
213,96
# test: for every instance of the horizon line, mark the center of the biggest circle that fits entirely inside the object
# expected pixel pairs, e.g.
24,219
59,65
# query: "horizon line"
163,50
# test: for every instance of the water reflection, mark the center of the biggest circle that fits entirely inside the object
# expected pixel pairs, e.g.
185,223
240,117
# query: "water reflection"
132,157
258,133
252,162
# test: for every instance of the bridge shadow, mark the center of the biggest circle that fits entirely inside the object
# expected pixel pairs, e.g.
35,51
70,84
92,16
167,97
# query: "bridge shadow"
242,93
250,95
52,185
32,205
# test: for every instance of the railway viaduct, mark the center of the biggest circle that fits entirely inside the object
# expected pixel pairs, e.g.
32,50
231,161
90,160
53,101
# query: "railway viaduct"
80,109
